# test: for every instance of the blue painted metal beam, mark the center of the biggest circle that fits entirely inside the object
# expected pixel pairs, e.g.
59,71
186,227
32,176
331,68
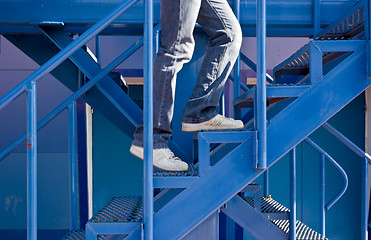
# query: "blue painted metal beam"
292,125
293,194
16,16
237,65
94,229
339,46
148,122
252,220
225,136
73,166
316,16
261,94
174,182
322,215
31,161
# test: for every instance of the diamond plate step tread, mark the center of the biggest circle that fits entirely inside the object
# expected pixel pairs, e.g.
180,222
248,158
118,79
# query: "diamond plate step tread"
268,205
120,209
192,172
303,232
79,235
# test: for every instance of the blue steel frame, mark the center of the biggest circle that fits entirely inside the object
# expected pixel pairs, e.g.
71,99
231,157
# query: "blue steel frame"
31,161
148,122
237,65
261,95
292,233
73,166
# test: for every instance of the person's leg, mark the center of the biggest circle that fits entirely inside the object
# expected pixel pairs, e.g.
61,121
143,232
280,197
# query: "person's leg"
219,22
178,18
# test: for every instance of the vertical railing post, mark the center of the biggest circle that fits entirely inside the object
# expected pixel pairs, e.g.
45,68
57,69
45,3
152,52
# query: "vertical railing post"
266,183
148,121
31,161
237,65
293,194
73,163
261,85
364,200
322,196
316,16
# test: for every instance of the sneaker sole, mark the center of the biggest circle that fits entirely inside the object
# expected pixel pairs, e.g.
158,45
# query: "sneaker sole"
136,152
187,128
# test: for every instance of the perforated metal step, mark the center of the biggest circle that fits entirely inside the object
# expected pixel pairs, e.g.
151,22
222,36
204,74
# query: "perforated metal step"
192,171
303,232
120,209
268,205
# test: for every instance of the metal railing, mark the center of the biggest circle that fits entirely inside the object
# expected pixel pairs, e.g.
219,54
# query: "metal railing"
365,165
323,205
29,85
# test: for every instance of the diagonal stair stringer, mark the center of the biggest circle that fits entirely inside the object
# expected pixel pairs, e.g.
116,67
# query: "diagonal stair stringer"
287,129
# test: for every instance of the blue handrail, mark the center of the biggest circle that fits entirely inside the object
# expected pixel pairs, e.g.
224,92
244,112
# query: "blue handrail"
338,167
335,199
347,142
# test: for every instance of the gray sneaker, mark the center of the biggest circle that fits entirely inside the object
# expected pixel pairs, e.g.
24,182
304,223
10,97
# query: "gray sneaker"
216,123
163,158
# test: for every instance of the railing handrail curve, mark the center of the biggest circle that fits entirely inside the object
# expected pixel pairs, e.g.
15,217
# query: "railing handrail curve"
338,167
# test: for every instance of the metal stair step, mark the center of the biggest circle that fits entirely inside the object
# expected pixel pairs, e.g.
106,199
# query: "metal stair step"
275,93
303,232
192,171
120,209
349,27
268,205
167,179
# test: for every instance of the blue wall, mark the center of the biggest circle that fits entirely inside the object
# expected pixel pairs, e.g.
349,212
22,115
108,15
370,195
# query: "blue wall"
53,165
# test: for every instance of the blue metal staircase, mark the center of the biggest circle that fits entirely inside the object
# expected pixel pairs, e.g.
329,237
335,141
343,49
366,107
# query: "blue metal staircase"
324,76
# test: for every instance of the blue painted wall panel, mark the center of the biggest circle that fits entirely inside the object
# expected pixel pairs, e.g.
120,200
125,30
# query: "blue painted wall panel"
53,191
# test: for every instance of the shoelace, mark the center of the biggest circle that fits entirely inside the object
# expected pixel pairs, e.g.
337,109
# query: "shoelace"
170,155
218,120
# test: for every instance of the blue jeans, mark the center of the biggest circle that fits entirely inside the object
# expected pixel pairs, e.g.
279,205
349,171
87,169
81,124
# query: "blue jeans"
178,19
